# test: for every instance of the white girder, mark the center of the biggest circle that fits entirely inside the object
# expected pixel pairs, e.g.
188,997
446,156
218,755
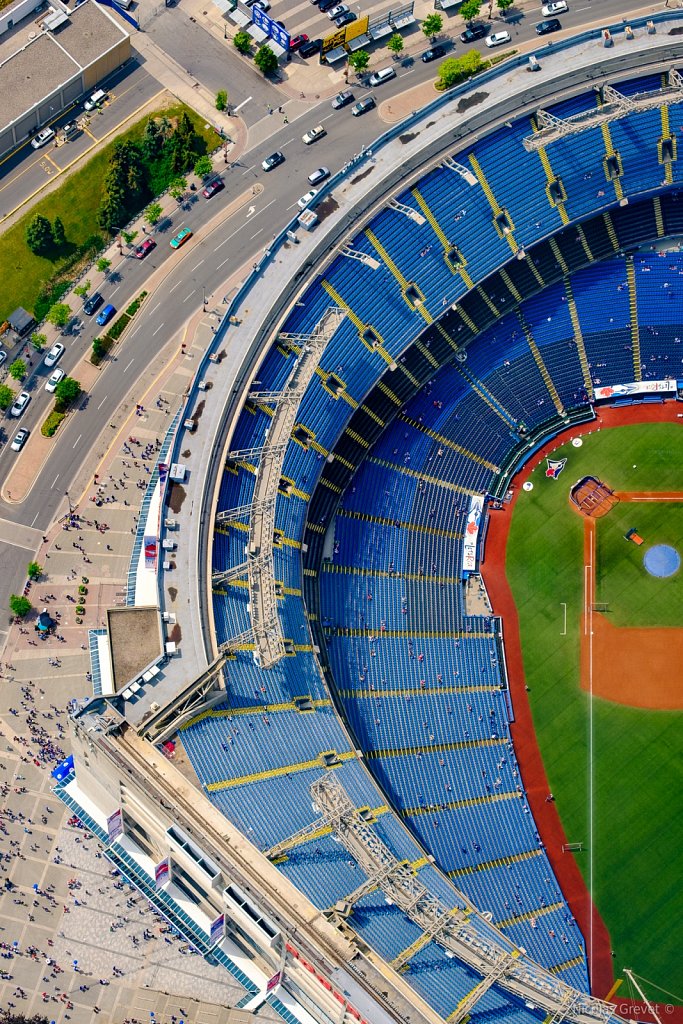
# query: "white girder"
615,106
265,621
462,932
407,211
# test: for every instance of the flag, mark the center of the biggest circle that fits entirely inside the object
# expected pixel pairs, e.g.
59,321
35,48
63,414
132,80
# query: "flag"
555,467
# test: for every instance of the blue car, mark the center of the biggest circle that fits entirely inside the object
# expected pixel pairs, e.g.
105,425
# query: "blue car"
106,314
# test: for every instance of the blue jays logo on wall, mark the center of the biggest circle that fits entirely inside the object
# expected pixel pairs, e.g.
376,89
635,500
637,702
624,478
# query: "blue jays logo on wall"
555,467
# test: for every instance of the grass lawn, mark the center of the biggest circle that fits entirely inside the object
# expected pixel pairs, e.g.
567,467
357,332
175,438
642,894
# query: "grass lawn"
636,777
635,597
76,202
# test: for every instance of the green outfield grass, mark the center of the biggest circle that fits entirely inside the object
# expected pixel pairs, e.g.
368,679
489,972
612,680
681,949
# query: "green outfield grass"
637,772
635,597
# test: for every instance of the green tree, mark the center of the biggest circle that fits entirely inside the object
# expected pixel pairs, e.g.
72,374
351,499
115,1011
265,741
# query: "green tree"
203,167
99,349
469,10
221,99
177,188
129,236
504,5
152,140
396,44
359,61
39,341
58,233
17,370
112,208
6,396
19,606
265,60
34,570
242,42
59,314
103,265
432,25
153,214
82,289
39,237
67,391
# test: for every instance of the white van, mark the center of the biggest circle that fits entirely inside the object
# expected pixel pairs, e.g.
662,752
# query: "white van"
95,100
382,76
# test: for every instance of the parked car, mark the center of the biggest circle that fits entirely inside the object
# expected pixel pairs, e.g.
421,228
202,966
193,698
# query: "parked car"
498,38
20,439
362,107
551,25
555,7
296,42
217,185
144,248
96,100
315,177
311,48
345,19
54,379
20,403
3,356
313,134
342,99
307,199
92,304
105,316
325,5
473,32
183,236
433,53
274,160
42,138
54,355
338,9
383,75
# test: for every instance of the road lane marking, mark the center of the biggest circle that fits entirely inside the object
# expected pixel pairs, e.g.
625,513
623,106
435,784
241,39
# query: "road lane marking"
197,265
240,105
77,440
102,403
155,308
190,295
222,264
52,485
128,365
257,233
158,329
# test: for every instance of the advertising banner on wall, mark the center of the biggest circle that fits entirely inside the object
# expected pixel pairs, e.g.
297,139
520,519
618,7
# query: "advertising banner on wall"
115,825
637,387
217,930
469,544
162,873
150,552
274,981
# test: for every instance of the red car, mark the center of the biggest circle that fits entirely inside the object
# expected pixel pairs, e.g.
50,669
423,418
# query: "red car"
214,186
296,42
145,248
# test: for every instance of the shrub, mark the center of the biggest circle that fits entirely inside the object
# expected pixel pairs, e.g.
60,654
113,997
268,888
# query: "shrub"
80,609
103,264
34,570
39,341
6,396
221,99
203,167
51,423
118,327
359,61
39,237
100,347
136,303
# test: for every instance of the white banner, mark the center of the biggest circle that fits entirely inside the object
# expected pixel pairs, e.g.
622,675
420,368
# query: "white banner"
637,387
469,544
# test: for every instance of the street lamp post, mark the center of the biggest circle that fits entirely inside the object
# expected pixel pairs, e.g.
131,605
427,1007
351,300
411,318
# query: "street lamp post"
68,498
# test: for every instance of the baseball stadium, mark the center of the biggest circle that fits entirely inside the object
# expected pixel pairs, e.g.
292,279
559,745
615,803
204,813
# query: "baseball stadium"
420,757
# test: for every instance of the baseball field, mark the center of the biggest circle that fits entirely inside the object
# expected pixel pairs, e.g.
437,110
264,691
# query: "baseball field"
602,649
